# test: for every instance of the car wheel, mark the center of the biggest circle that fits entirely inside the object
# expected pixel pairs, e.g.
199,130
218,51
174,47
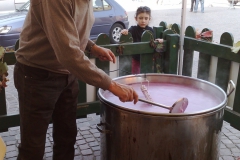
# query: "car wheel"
115,33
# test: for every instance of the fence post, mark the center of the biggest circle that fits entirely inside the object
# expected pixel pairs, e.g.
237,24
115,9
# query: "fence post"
188,53
223,65
171,56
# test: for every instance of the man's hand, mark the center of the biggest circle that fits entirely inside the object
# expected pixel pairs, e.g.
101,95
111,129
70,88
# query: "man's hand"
125,93
103,54
159,40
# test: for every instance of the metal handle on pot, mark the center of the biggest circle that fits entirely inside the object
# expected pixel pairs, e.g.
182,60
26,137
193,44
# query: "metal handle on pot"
100,130
231,87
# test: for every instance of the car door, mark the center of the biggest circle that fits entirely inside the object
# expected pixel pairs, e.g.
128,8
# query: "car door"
104,17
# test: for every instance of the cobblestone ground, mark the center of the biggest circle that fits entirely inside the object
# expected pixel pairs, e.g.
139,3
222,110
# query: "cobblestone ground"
87,146
88,138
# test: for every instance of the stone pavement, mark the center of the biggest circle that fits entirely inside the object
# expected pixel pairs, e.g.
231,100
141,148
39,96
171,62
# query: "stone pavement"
88,138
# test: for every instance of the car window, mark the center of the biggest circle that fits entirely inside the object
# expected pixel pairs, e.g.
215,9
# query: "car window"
97,5
106,6
100,5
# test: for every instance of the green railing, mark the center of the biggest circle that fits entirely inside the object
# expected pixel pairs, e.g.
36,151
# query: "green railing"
150,61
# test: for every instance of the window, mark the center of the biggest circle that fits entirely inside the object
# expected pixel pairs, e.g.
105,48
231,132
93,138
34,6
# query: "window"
97,5
106,6
100,5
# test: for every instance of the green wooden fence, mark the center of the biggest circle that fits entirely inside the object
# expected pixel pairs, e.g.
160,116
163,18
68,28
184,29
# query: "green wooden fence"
154,62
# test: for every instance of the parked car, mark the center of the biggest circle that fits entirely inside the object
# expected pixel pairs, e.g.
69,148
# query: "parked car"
110,18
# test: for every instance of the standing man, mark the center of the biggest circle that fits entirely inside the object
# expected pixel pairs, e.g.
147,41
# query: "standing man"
50,61
193,3
196,6
160,2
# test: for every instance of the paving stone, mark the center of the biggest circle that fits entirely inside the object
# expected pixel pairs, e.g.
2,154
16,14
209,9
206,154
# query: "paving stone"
90,139
237,141
222,145
96,153
8,143
48,158
50,139
236,150
18,136
226,141
238,145
84,146
238,135
81,120
230,146
93,126
98,158
11,154
4,134
79,137
98,139
75,146
84,124
94,131
92,144
83,128
48,149
48,154
86,152
13,132
80,142
85,132
79,157
96,148
229,127
77,152
225,152
94,123
17,145
235,131
47,144
225,130
236,154
96,135
89,157
228,158
11,148
8,138
233,137
87,136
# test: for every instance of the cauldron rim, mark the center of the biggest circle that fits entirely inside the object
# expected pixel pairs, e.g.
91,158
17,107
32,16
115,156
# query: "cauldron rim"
213,109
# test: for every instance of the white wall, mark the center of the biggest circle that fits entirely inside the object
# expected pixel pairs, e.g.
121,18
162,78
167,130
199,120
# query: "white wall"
10,5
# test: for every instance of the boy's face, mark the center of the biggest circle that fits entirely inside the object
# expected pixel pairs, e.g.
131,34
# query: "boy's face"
142,19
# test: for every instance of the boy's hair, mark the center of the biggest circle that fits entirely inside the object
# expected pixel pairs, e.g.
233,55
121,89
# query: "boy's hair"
143,9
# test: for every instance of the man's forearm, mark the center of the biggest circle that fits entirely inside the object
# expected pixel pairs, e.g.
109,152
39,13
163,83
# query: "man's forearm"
90,44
